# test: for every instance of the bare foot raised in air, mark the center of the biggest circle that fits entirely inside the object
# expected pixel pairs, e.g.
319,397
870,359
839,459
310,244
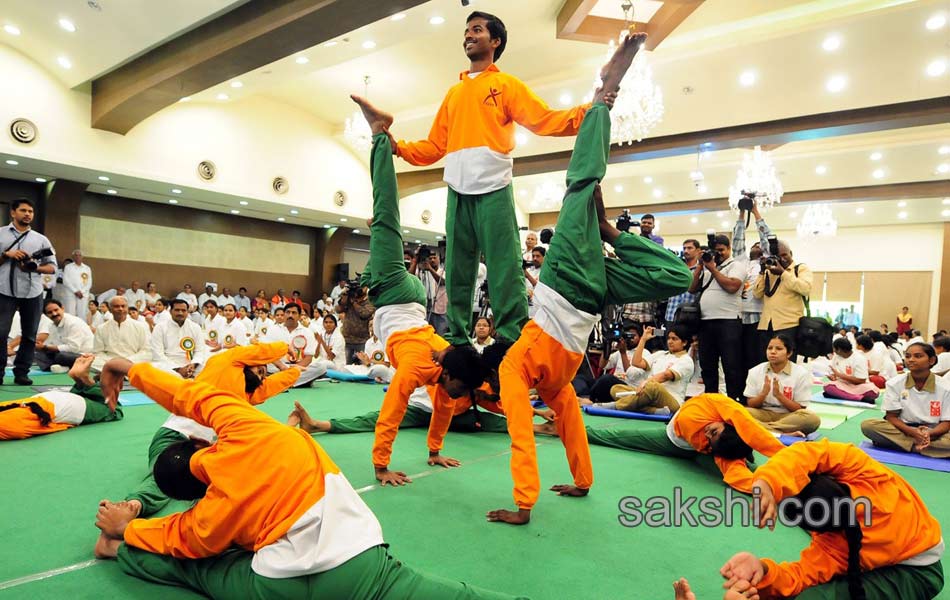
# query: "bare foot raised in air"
301,418
379,121
79,372
608,232
613,72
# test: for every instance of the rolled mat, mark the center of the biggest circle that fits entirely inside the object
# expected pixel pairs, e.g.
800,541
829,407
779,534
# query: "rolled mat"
347,376
906,459
623,414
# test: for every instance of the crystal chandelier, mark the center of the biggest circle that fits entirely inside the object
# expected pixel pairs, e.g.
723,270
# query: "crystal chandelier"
757,176
639,104
357,132
817,220
548,197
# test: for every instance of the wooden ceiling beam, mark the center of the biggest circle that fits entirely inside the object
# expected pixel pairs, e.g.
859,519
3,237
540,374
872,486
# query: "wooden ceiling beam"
252,35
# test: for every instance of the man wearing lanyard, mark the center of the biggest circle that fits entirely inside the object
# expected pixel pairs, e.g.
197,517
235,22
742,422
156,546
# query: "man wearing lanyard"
21,284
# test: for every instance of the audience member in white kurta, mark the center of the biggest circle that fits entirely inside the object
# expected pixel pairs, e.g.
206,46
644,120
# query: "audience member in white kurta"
245,318
483,334
177,343
213,325
120,337
208,294
151,295
672,367
942,347
331,346
778,391
187,294
102,315
161,313
373,358
233,332
531,274
77,284
109,294
226,298
261,324
301,344
135,295
69,338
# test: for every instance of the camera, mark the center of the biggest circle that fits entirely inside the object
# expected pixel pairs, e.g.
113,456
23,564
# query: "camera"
746,201
710,254
29,263
354,289
527,264
773,245
624,222
659,332
611,332
423,252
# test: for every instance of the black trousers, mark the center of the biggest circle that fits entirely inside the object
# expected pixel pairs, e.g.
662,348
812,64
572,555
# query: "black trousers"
767,334
721,339
46,359
30,311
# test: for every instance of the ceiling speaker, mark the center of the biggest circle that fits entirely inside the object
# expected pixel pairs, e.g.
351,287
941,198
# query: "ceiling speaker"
339,198
280,185
23,131
207,170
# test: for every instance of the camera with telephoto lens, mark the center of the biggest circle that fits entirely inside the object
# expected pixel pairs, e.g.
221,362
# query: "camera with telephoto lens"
611,332
354,289
423,252
746,201
29,263
772,259
624,222
710,254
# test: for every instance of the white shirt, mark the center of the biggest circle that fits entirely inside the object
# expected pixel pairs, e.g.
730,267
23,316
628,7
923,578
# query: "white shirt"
372,346
300,341
177,346
336,293
151,299
213,328
15,330
480,278
45,326
68,408
917,407
717,303
204,297
794,382
481,347
337,344
100,318
135,298
681,366
191,299
128,340
855,365
77,278
943,363
614,365
262,325
248,326
233,333
161,317
71,335
223,300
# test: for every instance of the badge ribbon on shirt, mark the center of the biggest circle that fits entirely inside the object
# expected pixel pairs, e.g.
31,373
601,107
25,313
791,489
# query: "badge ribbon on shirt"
228,339
188,345
935,408
299,343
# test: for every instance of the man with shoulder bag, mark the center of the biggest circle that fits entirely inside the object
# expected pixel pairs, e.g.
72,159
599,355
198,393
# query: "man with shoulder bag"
783,287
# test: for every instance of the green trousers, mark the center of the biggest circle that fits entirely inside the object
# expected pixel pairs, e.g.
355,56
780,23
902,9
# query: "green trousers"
475,224
651,439
385,275
575,265
152,498
96,409
886,583
371,575
416,417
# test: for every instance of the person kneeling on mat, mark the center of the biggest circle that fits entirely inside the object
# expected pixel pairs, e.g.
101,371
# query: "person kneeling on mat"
893,552
849,375
274,517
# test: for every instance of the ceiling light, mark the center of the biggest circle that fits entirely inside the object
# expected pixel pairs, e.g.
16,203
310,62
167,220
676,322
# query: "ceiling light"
836,83
821,169
356,231
718,214
946,201
243,202
235,212
172,201
294,211
647,179
369,45
67,25
330,44
936,22
793,215
725,224
876,156
831,43
878,173
565,99
113,192
657,192
618,188
693,220
945,213
64,62
281,219
40,180
176,191
302,60
418,241
436,20
943,150
398,17
342,219
405,231
12,162
222,96
185,99
859,210
901,204
943,168
12,29
747,79
103,178
702,189
438,237
237,84
902,214
937,68
326,226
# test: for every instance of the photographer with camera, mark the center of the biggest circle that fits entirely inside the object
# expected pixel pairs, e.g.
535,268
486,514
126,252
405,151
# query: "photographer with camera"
27,255
358,312
783,287
751,306
719,284
427,265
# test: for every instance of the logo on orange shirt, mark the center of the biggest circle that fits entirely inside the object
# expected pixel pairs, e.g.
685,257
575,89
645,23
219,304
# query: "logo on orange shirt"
492,97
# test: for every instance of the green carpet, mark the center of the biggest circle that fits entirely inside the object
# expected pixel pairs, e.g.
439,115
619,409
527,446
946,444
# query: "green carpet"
572,549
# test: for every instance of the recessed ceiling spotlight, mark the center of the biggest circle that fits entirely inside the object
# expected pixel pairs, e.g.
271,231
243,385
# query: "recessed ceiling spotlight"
67,25
702,189
172,201
103,178
943,150
943,168
438,237
747,79
945,213
876,156
521,138
937,68
878,173
657,192
836,83
831,43
647,179
618,188
859,210
235,212
418,241
113,192
369,45
946,201
330,44
565,99
405,231
821,169
936,22
185,99
12,162
725,224
793,215
902,214
64,62
693,220
342,219
237,84
326,226
356,231
294,211
901,204
436,20
11,29
398,17
176,191
40,180
302,60
281,219
222,96
243,202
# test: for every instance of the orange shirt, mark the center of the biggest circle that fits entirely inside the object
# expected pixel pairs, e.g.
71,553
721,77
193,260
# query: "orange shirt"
225,371
445,408
21,423
697,412
901,526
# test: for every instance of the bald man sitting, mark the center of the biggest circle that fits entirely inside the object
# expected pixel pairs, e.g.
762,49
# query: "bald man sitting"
120,337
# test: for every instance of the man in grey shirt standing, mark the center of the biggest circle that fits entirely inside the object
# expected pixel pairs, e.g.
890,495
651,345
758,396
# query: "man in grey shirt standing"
26,256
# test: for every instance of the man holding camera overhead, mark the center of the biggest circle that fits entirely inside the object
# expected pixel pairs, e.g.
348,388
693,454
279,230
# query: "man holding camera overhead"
719,285
27,255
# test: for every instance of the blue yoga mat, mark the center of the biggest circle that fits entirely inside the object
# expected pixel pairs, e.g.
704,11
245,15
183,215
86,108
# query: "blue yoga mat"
346,376
623,414
821,399
134,399
906,459
537,403
32,373
788,440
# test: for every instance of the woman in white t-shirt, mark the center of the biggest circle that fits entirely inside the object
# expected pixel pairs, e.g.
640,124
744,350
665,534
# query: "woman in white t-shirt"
483,334
916,406
151,295
331,347
778,391
849,375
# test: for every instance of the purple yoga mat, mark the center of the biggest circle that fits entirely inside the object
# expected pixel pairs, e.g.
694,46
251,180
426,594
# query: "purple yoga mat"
906,459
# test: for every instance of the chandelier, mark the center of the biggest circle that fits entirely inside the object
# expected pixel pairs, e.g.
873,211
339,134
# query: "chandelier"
639,104
548,197
757,176
357,132
817,220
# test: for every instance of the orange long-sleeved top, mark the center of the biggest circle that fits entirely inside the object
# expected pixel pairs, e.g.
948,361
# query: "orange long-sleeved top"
698,412
225,371
474,130
901,526
20,423
271,489
444,409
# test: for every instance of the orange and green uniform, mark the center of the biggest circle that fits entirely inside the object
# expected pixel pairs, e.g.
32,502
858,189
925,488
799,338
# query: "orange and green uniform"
684,436
900,549
223,371
474,130
576,282
79,406
278,520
